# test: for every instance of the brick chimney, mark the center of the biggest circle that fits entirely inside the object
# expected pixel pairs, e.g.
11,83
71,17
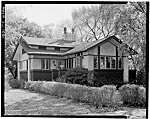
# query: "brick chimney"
65,30
70,36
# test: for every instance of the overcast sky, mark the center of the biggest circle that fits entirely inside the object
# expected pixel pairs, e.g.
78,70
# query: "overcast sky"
50,13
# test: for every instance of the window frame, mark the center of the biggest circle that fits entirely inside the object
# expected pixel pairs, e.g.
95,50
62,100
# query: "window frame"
46,64
60,63
78,58
111,62
121,62
105,62
23,65
96,62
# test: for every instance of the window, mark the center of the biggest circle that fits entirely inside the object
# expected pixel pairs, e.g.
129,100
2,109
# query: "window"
23,65
107,62
45,64
54,64
60,64
113,62
23,51
120,63
42,47
95,62
102,62
78,61
57,48
70,62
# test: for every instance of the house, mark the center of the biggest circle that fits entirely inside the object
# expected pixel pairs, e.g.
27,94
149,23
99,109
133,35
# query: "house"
42,58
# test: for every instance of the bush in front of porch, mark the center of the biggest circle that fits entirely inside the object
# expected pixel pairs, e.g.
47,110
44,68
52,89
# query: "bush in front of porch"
89,78
98,96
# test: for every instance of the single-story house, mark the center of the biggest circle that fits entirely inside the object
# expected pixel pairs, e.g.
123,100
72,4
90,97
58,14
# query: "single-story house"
42,58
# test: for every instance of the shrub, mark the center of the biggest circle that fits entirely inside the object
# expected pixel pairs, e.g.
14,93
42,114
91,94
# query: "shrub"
89,78
133,95
141,76
22,83
14,83
99,96
75,76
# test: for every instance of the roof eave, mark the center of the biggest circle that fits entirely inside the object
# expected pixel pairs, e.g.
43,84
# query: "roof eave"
15,50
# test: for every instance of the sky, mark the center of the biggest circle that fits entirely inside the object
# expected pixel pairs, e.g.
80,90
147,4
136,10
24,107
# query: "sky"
44,14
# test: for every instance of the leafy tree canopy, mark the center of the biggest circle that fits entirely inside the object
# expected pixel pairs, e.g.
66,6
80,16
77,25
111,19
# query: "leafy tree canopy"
15,26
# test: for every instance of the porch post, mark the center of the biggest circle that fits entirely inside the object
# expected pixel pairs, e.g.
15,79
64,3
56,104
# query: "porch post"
29,69
116,57
126,70
98,57
18,69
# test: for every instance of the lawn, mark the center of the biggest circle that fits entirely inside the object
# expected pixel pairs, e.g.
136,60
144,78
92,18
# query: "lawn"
23,102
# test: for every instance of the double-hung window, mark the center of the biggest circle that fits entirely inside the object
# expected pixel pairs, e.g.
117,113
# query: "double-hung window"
95,62
107,62
45,64
78,61
102,63
120,63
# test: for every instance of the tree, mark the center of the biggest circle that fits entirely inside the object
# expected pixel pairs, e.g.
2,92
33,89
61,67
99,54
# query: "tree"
95,22
58,30
131,28
127,21
15,26
49,30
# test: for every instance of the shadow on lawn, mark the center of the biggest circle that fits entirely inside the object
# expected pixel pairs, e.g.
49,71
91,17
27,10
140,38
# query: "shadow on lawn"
47,105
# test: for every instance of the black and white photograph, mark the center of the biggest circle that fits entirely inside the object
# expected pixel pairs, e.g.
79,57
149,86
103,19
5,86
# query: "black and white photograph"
73,60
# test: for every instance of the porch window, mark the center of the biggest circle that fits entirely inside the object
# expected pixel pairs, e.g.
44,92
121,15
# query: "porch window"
120,62
23,65
102,62
78,61
45,64
60,64
113,62
107,62
70,62
95,62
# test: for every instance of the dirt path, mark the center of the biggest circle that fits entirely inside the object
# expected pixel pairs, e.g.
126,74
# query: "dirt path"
23,102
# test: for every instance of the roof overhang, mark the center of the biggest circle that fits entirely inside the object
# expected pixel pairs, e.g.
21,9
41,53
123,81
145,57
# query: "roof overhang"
100,42
80,48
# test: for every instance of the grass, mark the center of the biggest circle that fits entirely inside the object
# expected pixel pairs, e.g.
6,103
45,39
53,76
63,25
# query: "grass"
40,104
7,86
23,102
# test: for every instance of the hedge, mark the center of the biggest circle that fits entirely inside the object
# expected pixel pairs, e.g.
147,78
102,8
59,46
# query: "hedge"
99,96
133,95
15,83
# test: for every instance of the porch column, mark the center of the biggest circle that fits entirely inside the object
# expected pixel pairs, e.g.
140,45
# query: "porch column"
90,62
126,70
99,57
18,71
29,68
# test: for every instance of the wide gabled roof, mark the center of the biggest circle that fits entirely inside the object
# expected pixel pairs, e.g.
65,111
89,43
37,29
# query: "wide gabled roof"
76,45
50,42
86,46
